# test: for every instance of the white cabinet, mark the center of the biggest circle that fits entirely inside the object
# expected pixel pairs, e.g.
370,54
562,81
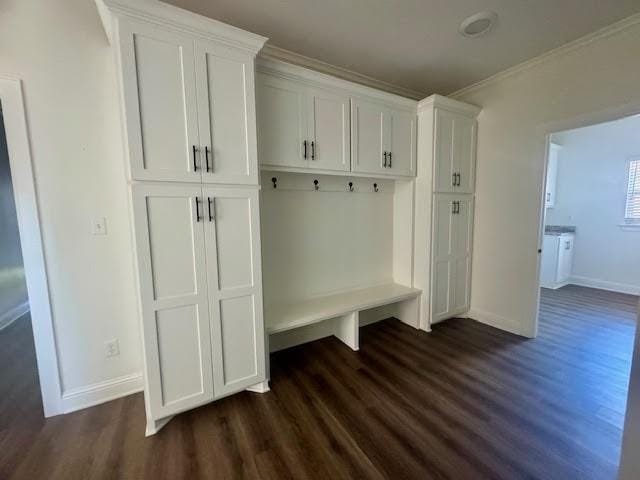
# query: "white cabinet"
552,176
454,152
301,126
384,138
198,254
189,107
557,260
451,265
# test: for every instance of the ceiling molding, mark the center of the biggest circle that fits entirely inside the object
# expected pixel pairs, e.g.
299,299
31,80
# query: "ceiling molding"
551,54
276,53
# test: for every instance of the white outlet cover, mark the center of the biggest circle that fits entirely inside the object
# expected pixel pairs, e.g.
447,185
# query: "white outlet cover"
111,348
99,226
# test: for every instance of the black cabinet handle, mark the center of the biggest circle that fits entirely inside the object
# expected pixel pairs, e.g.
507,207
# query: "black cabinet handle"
210,202
453,179
305,149
195,164
458,183
313,150
198,217
385,159
390,159
206,158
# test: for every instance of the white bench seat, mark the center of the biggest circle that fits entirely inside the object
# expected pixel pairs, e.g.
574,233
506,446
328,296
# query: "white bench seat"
344,307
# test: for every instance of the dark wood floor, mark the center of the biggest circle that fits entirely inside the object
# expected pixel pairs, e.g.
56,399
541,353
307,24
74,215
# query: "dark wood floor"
466,401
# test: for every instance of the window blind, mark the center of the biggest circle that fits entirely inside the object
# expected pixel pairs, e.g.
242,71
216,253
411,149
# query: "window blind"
632,209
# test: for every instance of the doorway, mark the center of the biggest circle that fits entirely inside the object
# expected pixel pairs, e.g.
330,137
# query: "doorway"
590,270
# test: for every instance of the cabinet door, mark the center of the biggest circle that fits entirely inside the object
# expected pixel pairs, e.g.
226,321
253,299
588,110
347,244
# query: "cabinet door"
367,130
226,111
462,238
282,122
552,177
464,146
444,179
328,130
235,288
565,259
443,264
160,103
402,147
170,247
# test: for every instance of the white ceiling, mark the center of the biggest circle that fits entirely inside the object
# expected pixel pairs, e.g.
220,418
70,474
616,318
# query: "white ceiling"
415,44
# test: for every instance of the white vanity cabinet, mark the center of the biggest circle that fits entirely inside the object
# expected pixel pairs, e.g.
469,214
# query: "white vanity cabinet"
557,260
189,106
552,176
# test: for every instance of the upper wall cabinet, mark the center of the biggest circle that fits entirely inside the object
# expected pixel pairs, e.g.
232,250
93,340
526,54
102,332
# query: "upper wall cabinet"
309,121
189,107
301,126
454,149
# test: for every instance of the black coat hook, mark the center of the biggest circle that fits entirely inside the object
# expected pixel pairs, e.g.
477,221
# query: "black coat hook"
274,180
315,185
351,186
375,187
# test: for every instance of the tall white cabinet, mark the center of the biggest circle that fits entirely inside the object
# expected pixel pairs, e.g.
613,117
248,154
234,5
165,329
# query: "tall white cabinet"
187,85
444,198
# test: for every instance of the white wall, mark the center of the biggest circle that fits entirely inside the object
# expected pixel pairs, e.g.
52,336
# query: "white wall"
591,193
62,55
602,74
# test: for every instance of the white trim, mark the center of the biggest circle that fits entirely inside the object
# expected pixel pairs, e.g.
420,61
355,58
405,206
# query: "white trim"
83,397
262,387
33,256
271,52
10,316
556,52
161,13
604,285
438,101
499,322
629,227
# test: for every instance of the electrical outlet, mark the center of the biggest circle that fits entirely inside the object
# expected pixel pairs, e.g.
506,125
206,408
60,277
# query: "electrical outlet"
99,226
111,348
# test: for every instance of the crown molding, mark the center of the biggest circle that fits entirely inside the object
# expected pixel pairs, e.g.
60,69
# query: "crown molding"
556,52
176,18
272,52
449,104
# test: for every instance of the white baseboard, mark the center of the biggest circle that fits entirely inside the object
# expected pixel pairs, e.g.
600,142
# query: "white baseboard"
499,322
12,315
605,285
79,398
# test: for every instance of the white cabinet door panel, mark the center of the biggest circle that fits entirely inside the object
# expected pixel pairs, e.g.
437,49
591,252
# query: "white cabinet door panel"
367,142
235,288
464,144
403,143
282,122
160,103
443,151
170,246
463,231
329,130
443,255
226,110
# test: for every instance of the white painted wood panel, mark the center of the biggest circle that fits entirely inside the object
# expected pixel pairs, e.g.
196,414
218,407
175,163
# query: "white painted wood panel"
461,269
443,257
235,288
170,247
282,121
443,152
367,136
226,111
403,142
464,144
160,103
329,130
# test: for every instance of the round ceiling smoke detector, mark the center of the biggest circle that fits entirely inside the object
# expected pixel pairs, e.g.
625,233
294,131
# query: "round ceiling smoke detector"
478,24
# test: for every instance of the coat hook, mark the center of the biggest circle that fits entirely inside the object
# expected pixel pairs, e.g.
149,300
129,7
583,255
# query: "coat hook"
375,187
351,186
274,180
315,185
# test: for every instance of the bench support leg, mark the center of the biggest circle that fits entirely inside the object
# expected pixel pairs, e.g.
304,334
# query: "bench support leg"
408,312
347,330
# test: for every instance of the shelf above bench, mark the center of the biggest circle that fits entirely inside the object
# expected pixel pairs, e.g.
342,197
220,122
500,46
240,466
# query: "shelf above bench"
282,318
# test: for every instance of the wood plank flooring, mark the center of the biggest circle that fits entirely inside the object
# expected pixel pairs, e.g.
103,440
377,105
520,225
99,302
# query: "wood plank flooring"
464,402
